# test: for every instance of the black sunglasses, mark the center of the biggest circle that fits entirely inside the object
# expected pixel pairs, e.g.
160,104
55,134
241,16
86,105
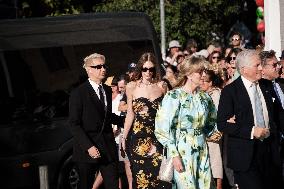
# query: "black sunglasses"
274,65
232,58
152,69
235,39
214,57
100,66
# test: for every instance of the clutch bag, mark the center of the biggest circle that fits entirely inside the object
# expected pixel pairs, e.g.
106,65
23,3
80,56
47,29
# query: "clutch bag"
166,171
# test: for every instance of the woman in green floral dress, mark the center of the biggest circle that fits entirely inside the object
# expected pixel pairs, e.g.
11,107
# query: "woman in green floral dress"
185,120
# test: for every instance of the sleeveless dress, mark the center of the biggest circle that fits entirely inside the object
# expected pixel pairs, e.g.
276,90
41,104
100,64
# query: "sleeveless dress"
145,164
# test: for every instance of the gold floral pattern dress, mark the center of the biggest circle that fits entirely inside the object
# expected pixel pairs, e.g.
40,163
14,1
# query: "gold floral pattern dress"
145,161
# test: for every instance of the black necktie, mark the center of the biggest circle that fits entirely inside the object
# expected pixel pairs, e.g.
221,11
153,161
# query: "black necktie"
102,97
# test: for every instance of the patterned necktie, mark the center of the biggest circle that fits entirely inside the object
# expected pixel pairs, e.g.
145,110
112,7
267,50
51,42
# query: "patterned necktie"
279,93
102,98
258,107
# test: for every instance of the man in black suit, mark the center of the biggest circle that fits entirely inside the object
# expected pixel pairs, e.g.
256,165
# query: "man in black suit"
280,80
245,114
270,69
90,121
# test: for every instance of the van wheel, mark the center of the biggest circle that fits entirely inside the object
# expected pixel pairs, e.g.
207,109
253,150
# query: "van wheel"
69,175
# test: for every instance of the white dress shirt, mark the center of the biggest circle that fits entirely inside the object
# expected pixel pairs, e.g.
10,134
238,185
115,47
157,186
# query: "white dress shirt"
248,85
96,89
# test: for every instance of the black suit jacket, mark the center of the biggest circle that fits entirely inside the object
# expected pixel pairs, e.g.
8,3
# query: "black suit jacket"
86,117
235,100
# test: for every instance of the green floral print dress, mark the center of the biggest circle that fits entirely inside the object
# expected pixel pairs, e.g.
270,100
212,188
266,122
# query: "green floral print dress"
183,122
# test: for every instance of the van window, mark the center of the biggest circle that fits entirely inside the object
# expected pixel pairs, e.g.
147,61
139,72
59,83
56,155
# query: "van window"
41,78
41,58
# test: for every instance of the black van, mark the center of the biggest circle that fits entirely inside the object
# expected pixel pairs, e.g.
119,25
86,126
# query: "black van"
41,61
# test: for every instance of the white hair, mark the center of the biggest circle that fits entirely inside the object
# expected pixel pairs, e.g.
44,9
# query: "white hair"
244,58
93,56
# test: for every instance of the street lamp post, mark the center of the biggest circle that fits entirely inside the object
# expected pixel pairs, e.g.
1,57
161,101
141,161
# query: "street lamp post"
163,36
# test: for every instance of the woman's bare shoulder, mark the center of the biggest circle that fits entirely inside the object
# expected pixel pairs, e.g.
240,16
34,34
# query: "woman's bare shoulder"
131,84
162,86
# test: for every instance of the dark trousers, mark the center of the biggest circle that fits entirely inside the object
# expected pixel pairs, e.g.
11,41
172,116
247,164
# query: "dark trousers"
87,172
262,173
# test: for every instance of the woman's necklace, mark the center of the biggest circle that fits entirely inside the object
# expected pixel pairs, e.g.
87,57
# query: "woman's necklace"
146,83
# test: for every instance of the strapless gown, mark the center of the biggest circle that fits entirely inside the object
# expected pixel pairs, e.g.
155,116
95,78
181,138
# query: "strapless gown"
145,161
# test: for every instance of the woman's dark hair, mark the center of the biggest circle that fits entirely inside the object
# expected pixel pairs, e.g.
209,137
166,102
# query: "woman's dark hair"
173,68
235,51
215,78
212,54
189,44
170,87
151,58
114,81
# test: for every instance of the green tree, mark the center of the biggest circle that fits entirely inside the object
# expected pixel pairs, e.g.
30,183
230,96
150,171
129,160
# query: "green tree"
203,20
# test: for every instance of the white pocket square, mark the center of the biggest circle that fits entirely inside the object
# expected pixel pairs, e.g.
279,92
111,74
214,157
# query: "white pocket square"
273,99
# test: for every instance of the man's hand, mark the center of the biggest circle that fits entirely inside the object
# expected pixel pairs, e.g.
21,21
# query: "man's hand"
178,164
94,152
260,133
232,120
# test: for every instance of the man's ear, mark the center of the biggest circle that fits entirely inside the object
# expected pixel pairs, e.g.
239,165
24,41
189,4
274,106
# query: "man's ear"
242,70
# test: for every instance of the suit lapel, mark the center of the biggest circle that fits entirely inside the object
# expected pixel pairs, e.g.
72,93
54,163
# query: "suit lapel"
243,94
95,99
245,100
268,91
267,96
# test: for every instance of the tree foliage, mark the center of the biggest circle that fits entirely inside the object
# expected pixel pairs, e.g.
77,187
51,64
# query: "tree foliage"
203,20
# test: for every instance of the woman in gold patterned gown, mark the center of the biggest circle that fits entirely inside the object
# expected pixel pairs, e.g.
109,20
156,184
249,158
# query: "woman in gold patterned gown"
144,151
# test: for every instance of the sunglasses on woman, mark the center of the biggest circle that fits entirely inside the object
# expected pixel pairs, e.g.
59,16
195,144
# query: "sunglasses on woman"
232,58
235,39
214,57
151,69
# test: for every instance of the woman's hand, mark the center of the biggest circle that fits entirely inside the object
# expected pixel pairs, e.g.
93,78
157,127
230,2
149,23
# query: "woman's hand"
178,164
152,150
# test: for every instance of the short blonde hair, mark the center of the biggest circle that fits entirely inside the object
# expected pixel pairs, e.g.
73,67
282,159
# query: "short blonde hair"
93,56
191,64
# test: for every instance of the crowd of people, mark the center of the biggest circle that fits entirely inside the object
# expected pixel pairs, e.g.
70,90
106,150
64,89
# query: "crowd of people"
217,110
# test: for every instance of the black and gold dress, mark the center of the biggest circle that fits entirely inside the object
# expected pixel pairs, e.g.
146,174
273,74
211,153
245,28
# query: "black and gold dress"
145,159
